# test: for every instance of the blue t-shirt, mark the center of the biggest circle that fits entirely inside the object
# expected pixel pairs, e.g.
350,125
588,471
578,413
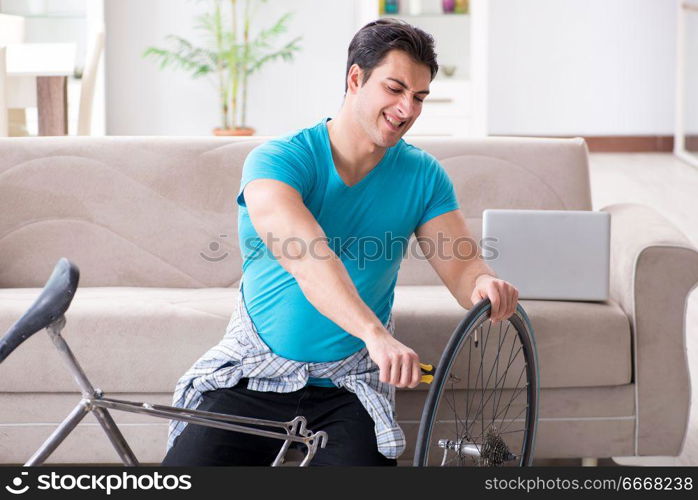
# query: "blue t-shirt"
368,225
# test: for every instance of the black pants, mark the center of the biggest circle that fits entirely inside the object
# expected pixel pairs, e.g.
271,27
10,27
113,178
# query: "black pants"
351,436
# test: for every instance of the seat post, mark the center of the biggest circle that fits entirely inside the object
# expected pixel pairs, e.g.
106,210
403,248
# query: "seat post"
88,392
76,370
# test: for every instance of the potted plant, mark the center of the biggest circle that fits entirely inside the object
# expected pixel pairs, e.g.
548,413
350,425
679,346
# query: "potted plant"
228,56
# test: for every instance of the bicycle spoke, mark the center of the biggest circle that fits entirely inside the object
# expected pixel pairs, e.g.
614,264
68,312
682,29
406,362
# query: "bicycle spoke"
513,396
470,350
496,372
492,396
498,353
482,397
453,408
503,377
455,412
520,375
476,375
480,367
517,416
512,431
489,378
494,417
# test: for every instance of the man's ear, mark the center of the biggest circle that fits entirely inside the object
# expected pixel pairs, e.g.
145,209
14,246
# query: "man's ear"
354,78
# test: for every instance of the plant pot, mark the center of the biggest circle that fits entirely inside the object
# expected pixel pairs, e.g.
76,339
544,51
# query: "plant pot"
237,131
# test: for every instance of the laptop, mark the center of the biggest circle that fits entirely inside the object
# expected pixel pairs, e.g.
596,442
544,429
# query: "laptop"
549,254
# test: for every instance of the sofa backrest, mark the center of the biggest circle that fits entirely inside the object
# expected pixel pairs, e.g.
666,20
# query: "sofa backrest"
161,211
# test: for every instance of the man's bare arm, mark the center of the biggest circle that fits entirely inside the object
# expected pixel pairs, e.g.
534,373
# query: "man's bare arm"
295,238
454,254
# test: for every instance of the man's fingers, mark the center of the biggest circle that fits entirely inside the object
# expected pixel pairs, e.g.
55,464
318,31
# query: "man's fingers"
406,372
416,374
477,296
512,296
384,374
504,304
494,305
394,371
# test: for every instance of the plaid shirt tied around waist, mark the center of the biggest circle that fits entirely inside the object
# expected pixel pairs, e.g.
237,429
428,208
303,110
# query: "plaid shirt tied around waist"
243,354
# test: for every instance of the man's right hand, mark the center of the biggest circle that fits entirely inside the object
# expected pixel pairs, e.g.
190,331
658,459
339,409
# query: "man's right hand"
399,364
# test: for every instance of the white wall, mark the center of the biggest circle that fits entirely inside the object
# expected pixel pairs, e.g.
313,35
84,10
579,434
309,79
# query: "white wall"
690,70
142,100
592,67
555,67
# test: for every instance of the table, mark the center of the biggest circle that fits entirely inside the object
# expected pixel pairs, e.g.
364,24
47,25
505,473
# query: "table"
51,64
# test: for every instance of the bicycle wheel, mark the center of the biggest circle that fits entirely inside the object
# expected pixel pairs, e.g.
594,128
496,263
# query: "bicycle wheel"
482,406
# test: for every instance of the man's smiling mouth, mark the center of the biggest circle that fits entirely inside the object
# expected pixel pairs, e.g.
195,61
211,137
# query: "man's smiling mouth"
395,124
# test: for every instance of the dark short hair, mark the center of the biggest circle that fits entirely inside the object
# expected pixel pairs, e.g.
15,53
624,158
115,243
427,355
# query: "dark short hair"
372,43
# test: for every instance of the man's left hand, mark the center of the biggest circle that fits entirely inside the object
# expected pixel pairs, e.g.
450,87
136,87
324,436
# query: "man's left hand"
503,296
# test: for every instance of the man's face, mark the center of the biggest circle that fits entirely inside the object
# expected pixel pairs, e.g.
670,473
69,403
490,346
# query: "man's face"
390,101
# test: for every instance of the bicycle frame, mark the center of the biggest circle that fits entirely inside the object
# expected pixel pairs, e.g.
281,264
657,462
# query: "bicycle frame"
93,400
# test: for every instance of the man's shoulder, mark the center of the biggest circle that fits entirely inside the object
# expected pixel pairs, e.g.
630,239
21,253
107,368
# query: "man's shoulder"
419,157
293,145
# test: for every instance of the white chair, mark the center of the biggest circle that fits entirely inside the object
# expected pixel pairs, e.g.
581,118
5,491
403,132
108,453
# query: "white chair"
87,86
21,94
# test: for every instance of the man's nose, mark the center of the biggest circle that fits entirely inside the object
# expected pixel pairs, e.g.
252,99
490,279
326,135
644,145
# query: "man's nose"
406,105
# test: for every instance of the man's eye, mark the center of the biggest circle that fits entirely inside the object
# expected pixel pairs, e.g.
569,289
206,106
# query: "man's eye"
394,91
420,100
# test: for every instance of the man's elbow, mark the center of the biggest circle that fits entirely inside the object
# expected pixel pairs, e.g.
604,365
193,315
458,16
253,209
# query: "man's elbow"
465,303
302,262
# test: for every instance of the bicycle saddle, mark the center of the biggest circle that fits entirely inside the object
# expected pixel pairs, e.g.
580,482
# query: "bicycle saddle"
51,304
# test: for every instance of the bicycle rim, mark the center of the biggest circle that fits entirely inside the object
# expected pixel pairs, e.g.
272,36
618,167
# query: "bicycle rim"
482,407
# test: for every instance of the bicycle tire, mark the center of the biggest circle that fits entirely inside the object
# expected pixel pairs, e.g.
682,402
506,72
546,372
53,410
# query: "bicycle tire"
492,449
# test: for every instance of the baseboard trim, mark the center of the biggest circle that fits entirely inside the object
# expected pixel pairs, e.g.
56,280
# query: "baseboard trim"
627,143
691,143
630,144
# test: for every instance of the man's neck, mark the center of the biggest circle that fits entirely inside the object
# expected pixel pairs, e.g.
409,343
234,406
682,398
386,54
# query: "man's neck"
353,152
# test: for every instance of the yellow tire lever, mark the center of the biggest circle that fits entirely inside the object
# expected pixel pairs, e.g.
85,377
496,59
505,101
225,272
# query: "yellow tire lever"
427,373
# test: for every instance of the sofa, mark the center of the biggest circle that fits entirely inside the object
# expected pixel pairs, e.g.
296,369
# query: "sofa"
151,223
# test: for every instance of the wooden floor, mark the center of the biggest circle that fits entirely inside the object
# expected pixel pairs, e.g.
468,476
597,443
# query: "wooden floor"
671,187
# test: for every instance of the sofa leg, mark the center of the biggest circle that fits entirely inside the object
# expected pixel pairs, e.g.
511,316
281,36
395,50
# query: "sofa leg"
590,462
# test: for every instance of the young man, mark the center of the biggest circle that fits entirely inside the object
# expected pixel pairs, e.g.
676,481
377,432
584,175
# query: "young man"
312,332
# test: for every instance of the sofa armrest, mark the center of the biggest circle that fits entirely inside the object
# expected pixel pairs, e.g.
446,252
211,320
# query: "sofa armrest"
653,269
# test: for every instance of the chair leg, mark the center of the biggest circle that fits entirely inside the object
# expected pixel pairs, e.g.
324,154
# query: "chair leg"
590,462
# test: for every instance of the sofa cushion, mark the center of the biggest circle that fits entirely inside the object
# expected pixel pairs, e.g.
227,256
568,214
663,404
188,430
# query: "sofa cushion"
580,344
144,339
